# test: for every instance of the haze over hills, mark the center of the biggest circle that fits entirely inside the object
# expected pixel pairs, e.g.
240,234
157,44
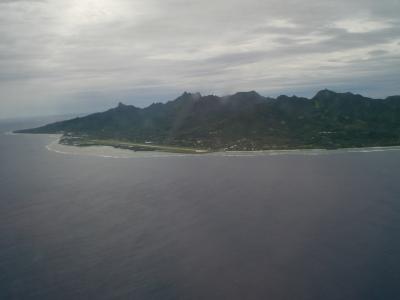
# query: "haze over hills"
243,121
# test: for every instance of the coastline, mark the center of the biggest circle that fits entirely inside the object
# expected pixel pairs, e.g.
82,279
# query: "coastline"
111,150
136,147
184,150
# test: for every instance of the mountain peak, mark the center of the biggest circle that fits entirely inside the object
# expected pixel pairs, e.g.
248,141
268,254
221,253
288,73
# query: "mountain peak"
191,95
124,107
247,97
325,93
248,94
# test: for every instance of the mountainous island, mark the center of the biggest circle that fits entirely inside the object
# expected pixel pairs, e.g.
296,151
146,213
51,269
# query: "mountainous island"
245,121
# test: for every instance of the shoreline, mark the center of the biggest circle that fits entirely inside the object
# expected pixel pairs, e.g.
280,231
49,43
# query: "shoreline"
110,150
184,150
136,147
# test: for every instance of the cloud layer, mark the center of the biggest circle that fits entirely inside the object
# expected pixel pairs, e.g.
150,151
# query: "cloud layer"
82,55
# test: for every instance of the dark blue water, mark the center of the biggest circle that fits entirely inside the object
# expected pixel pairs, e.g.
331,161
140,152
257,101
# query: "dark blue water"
203,227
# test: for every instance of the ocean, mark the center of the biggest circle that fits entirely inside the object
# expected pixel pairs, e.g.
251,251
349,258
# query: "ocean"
99,223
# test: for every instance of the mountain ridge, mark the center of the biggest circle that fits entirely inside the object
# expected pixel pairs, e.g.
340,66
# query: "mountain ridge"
245,121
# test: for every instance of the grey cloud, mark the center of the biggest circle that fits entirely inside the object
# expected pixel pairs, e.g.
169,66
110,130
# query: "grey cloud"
76,54
19,1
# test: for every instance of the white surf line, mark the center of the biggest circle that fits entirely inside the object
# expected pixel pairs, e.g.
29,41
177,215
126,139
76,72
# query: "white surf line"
223,154
142,154
9,133
310,151
50,147
315,151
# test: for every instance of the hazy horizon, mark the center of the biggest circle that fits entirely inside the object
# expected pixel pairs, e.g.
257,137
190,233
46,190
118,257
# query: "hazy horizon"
62,57
112,105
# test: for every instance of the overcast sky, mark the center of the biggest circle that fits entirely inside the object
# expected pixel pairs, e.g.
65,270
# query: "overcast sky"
62,56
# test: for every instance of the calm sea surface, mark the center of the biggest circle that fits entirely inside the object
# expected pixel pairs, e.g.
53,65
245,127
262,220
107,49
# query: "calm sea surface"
290,226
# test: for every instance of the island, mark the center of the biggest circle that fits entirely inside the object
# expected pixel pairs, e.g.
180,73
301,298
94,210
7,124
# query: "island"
245,121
